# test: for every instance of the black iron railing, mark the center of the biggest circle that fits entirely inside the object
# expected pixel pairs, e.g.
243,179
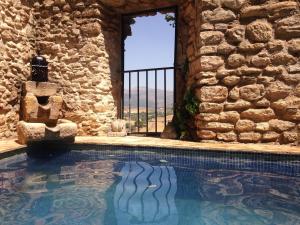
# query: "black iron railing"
166,73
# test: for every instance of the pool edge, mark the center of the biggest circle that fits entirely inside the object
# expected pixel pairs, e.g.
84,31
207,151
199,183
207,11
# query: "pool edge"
11,146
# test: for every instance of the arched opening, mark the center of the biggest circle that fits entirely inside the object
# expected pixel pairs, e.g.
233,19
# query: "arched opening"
148,77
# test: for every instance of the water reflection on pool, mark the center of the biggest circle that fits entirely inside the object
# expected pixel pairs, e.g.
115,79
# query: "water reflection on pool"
125,187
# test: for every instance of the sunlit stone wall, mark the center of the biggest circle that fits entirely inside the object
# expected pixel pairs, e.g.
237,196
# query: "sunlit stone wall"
246,69
16,45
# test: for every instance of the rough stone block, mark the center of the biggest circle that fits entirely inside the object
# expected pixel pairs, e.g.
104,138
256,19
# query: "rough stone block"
235,34
225,49
245,126
236,60
227,137
250,137
216,126
270,136
216,94
285,104
289,137
272,10
208,117
238,105
206,134
234,94
207,107
262,103
277,90
28,132
229,117
35,112
289,27
39,89
275,45
231,80
273,71
294,46
249,71
252,92
290,79
211,37
247,47
38,132
30,107
260,61
282,58
233,4
55,106
259,31
258,115
262,127
91,29
221,73
211,63
218,15
281,125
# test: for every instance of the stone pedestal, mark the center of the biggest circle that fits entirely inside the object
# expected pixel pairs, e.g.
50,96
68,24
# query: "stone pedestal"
40,112
118,129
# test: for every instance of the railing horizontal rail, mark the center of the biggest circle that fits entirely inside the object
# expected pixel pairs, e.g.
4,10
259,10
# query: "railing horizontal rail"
150,69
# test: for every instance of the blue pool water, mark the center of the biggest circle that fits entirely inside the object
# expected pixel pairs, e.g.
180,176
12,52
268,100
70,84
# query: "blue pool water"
150,187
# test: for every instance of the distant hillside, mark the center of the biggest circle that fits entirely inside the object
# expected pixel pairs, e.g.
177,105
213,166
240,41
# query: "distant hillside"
151,98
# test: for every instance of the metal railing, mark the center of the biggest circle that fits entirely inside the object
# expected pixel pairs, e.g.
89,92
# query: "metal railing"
156,72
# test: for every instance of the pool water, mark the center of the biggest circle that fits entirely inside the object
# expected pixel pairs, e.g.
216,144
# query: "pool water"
150,187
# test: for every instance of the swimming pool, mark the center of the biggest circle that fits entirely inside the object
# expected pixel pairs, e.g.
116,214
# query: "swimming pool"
114,186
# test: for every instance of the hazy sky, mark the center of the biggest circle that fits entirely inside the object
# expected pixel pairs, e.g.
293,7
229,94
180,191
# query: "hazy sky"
151,45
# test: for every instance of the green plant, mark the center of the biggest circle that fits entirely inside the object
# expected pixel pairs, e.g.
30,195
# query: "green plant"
185,112
170,19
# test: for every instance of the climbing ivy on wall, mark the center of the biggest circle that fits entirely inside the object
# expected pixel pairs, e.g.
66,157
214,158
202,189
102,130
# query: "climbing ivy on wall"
185,113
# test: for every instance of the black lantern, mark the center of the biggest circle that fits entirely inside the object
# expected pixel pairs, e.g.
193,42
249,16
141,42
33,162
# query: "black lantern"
39,69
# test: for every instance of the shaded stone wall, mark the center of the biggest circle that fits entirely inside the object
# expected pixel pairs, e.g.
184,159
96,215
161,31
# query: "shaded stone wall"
81,40
16,45
246,70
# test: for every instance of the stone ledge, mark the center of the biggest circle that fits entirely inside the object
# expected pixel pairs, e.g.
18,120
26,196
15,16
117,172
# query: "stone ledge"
11,145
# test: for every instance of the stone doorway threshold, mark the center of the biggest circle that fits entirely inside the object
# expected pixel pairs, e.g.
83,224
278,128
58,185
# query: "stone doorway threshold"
133,141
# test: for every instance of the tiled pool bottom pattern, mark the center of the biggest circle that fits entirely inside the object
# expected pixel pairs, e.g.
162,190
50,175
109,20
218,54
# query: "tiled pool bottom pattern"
150,186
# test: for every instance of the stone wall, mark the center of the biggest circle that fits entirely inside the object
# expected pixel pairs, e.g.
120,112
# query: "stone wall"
246,70
243,55
16,45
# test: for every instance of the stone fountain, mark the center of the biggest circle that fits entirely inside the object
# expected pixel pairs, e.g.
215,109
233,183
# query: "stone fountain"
41,107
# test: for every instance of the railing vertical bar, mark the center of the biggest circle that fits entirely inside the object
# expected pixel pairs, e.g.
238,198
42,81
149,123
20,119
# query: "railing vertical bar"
130,101
175,63
165,95
121,114
147,112
138,100
155,101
